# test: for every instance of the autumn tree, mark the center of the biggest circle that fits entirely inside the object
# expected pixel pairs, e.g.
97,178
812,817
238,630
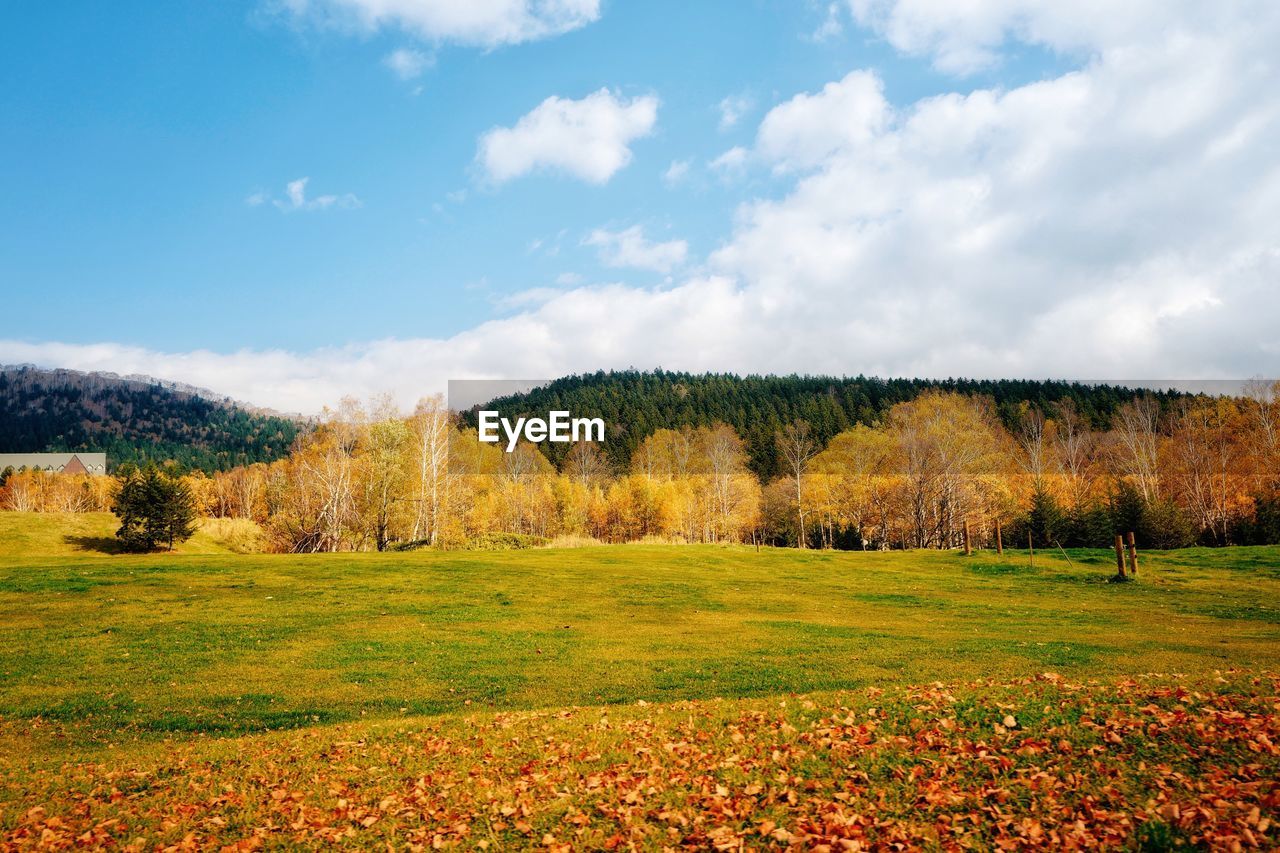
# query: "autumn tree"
1262,409
585,465
430,429
1207,450
24,491
860,467
726,472
947,443
796,449
1034,440
1073,446
317,494
1136,430
383,472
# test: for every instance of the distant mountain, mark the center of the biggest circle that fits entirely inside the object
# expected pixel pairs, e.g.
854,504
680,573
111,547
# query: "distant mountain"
134,419
634,404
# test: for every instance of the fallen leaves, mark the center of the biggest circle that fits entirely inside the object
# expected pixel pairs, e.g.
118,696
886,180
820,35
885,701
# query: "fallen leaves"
1065,766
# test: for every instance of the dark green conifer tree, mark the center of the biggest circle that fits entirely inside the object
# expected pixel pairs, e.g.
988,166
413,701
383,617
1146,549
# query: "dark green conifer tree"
153,509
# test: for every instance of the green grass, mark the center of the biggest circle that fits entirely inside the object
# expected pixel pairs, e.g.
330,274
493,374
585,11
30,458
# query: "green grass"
24,535
630,697
225,644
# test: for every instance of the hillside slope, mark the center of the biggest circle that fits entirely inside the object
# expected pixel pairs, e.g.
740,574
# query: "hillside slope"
133,420
26,535
634,404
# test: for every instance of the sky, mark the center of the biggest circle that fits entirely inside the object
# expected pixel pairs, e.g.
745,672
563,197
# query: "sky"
290,201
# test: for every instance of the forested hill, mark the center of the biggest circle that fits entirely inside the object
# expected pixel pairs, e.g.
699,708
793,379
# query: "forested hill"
634,404
133,420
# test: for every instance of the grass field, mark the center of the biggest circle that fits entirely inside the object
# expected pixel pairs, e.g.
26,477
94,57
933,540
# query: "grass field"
24,535
162,678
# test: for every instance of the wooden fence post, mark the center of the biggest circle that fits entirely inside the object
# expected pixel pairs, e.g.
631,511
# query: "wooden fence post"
968,544
1133,555
999,540
1031,549
1119,556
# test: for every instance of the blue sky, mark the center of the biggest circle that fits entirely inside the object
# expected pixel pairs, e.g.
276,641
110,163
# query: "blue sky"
135,133
137,138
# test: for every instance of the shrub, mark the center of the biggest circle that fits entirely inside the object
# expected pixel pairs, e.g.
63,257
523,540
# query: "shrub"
482,542
1155,524
1044,523
1090,526
573,540
1263,527
504,542
237,535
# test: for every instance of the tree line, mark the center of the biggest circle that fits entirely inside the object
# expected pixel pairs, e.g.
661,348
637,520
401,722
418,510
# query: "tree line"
1174,470
636,403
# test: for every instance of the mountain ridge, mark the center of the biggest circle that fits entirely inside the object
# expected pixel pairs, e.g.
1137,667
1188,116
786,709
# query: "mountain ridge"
136,419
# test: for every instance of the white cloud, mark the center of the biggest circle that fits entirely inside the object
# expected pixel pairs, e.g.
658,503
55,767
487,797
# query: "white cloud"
1116,221
676,172
733,109
966,37
295,199
407,63
832,25
807,129
732,162
588,139
1083,225
526,298
484,23
579,330
630,248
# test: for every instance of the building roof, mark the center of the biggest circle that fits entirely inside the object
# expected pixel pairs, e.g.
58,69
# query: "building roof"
72,463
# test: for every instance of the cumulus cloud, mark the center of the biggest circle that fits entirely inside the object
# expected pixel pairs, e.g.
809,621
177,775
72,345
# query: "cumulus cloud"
1083,225
630,248
588,139
1116,221
484,23
808,129
962,38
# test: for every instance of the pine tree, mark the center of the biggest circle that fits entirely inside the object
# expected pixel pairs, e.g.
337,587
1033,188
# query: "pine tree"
178,511
153,508
1046,520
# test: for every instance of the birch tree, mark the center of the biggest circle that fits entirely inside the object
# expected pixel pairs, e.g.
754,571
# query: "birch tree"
430,429
1073,445
1136,429
796,449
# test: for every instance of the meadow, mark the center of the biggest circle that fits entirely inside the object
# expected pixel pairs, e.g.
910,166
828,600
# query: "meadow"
291,681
